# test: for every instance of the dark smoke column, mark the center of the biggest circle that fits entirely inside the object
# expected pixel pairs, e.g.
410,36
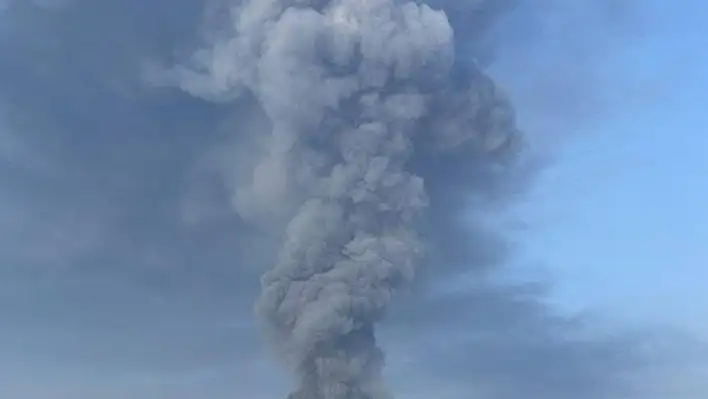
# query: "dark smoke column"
374,122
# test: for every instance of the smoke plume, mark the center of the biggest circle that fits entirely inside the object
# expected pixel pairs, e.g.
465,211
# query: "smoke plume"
378,132
127,273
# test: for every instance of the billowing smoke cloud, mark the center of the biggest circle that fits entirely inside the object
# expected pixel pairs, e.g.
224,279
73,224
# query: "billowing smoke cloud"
125,268
374,121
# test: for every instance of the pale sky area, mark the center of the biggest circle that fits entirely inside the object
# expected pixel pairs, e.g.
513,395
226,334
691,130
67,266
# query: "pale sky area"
124,273
621,217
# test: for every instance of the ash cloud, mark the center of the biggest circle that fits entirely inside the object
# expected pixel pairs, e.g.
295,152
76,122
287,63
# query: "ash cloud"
374,120
122,200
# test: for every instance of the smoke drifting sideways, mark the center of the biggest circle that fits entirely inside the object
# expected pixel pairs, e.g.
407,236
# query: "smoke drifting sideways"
101,167
375,125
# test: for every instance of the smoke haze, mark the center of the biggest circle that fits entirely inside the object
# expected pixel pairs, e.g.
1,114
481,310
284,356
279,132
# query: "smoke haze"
152,171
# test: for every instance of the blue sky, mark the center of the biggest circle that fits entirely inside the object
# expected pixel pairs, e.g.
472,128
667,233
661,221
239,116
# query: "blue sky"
125,273
622,220
628,218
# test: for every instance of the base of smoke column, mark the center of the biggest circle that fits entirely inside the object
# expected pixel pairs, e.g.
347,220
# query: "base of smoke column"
304,394
338,391
301,395
359,343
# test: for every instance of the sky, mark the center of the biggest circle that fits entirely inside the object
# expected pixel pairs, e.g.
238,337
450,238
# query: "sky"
620,217
125,273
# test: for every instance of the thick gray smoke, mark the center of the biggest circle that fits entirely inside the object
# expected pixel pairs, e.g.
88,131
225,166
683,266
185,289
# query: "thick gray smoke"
375,124
126,272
